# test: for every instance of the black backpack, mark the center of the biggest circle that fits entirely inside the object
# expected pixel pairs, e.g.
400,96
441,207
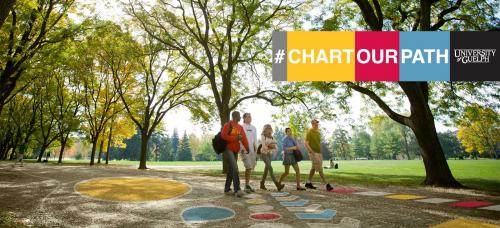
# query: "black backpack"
218,143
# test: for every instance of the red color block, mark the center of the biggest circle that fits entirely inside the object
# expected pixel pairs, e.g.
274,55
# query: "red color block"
376,42
470,204
343,190
265,216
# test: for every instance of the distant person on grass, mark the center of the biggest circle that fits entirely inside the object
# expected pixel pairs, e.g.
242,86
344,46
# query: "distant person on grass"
234,134
20,153
269,146
313,146
289,145
250,158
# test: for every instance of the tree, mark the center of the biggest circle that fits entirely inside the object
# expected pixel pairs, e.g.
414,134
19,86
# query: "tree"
165,148
101,101
387,137
220,40
184,153
451,145
5,7
279,135
133,147
417,16
33,25
175,144
361,144
67,95
206,152
479,130
46,132
340,144
164,84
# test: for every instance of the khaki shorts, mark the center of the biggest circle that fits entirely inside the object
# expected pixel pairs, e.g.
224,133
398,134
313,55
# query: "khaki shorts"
249,160
317,161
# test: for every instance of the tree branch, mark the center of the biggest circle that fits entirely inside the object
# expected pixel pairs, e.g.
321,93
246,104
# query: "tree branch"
393,115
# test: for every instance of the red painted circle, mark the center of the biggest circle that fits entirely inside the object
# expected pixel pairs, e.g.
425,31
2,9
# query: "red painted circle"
265,216
470,204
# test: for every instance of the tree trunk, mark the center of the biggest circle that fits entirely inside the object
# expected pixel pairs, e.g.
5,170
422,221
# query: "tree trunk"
109,141
100,152
11,157
144,150
2,151
42,151
422,123
63,146
92,155
224,119
5,7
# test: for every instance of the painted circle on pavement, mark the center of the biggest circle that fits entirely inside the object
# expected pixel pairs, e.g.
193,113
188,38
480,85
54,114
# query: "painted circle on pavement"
132,189
270,225
252,196
207,214
265,216
256,201
260,208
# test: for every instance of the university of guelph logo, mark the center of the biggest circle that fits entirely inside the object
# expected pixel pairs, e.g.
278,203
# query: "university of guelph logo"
466,56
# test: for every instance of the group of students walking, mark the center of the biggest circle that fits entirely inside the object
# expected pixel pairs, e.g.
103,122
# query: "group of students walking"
242,139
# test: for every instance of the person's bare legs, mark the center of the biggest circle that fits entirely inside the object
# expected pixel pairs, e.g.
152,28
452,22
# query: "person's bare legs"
322,177
248,172
311,174
297,174
287,168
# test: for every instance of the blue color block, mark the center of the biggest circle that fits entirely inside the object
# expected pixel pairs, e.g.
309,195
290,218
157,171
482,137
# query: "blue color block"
279,194
428,71
206,214
298,203
324,215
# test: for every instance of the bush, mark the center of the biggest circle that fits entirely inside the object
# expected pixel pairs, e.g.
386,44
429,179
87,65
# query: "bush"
78,156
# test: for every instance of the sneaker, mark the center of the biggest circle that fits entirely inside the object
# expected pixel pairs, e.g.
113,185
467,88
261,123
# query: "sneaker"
239,193
300,189
248,189
329,187
262,186
281,186
310,186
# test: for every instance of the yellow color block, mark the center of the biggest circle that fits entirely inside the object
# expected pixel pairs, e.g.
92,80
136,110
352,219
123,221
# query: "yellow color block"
405,197
321,71
256,201
465,223
132,189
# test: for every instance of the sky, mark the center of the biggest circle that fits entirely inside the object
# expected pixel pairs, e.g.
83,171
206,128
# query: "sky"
262,112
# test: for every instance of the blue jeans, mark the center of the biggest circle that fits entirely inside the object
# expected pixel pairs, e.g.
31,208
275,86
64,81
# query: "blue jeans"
232,172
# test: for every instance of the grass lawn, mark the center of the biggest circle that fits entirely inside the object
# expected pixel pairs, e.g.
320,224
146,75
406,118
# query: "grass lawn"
476,174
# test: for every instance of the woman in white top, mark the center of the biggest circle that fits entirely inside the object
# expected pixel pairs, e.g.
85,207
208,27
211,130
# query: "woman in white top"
269,146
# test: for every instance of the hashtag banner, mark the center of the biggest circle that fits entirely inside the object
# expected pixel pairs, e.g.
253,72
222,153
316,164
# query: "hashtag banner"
385,56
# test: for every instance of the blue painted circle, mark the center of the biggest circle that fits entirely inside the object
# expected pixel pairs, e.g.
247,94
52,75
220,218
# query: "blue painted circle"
206,214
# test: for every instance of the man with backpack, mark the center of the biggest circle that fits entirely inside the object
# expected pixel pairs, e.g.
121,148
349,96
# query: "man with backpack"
234,134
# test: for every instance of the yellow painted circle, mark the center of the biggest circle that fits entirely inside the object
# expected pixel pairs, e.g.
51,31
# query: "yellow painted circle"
132,189
256,201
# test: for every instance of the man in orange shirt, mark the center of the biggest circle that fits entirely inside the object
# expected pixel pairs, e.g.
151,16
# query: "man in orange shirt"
234,134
